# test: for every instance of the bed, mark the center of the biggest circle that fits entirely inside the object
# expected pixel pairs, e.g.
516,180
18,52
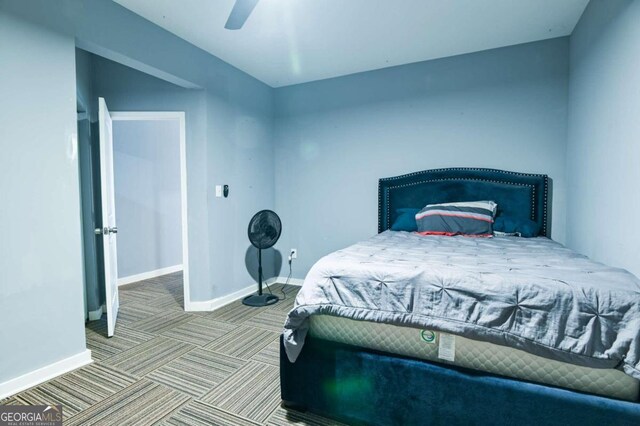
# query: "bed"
407,329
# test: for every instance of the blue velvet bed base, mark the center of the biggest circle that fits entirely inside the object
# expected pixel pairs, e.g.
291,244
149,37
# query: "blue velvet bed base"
363,387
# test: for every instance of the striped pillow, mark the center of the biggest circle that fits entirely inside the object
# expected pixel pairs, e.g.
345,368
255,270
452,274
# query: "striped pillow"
473,218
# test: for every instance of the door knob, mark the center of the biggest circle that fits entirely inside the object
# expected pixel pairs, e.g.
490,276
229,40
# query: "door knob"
113,230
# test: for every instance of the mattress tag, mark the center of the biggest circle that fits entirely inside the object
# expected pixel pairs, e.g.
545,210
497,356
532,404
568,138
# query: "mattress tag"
447,347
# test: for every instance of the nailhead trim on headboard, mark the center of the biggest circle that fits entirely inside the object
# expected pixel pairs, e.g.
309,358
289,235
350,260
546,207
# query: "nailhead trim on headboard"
387,189
460,169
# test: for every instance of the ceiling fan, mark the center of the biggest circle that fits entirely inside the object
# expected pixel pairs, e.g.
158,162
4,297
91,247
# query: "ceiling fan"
239,14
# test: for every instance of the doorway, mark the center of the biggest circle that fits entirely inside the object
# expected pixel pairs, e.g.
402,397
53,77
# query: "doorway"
151,184
143,202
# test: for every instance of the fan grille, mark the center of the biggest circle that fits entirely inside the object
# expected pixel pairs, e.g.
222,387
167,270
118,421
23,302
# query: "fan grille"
264,229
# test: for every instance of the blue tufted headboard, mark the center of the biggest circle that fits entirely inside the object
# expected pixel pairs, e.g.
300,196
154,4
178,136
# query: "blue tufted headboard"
520,195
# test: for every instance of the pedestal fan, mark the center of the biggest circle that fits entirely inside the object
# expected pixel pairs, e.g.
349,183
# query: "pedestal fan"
264,230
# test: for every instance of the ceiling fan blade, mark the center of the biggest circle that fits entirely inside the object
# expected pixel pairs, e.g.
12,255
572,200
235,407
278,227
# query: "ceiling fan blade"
239,14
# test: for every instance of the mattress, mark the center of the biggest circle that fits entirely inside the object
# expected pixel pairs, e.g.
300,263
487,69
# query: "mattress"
474,354
531,294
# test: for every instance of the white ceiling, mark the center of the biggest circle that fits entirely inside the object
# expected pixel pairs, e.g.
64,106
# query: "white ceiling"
287,42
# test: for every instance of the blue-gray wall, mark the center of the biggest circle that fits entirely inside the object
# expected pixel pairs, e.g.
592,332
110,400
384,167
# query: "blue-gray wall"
147,191
228,142
603,149
125,89
229,132
84,86
87,141
229,121
503,108
41,271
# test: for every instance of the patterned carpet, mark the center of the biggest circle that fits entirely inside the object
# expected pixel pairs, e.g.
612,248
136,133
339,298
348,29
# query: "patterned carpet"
166,366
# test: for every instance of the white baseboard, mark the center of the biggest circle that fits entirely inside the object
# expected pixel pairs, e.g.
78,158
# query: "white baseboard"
148,275
96,315
210,305
292,281
26,381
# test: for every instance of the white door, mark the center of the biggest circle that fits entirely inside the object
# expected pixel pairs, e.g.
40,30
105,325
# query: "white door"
109,230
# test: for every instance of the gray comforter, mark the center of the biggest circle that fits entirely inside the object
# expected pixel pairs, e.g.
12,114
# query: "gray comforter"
532,294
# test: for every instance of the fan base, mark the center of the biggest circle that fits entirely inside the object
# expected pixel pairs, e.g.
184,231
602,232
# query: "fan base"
260,300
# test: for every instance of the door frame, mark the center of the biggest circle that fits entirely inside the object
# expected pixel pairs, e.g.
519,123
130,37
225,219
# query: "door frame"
180,117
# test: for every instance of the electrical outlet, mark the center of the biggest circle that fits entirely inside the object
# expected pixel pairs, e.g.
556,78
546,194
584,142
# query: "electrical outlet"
294,253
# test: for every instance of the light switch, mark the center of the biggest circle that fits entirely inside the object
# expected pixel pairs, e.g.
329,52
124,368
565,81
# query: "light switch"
218,191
